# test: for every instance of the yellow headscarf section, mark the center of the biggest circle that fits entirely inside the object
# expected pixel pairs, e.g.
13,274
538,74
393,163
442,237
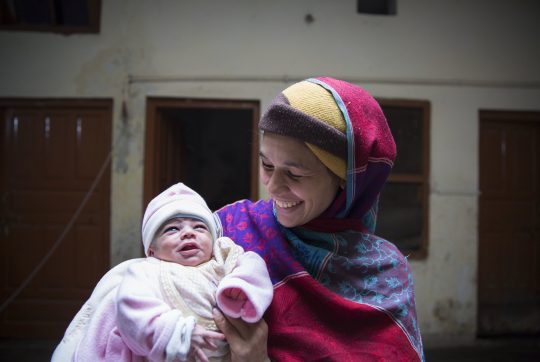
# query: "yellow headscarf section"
314,100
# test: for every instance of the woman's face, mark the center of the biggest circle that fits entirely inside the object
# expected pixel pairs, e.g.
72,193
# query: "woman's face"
300,185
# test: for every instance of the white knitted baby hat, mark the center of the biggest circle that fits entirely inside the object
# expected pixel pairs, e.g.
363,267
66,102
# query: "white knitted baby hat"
177,201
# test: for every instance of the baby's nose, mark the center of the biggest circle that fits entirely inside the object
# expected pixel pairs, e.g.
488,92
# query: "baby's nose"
187,232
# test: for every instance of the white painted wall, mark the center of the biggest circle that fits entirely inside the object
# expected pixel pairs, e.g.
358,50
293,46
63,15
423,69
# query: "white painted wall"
462,56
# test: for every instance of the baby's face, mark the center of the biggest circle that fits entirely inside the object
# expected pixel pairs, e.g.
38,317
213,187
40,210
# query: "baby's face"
184,241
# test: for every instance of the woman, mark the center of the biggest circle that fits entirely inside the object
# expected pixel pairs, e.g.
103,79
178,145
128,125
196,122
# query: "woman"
341,293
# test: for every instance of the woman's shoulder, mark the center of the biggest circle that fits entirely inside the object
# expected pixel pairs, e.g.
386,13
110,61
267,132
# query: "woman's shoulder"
244,204
244,208
250,224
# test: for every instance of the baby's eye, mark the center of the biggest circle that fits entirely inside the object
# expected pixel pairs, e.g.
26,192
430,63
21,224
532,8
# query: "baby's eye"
170,229
201,227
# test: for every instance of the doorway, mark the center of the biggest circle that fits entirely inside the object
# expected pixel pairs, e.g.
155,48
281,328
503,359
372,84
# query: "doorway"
210,145
52,151
509,224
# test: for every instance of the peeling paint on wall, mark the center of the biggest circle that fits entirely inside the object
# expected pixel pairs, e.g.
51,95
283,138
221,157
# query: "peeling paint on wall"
108,70
121,148
450,313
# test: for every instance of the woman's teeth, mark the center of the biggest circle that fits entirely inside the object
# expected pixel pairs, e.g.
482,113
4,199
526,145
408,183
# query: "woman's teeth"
286,204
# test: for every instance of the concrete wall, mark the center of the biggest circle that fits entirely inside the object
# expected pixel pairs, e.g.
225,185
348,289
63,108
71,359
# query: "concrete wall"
462,56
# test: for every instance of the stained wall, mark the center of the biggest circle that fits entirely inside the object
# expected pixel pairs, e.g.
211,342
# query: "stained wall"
461,56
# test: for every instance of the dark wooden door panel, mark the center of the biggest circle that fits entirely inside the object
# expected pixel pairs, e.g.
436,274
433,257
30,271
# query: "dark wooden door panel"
509,224
51,154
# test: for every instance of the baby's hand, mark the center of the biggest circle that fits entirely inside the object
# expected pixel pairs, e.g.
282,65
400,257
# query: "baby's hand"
235,294
235,303
203,338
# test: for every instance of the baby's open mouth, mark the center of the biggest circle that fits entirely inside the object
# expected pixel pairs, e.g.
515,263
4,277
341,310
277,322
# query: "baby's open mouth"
187,247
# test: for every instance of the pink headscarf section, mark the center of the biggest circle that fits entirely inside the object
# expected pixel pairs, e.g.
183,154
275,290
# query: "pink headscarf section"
371,152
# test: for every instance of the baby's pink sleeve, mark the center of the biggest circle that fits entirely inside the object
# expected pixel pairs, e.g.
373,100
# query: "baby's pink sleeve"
251,276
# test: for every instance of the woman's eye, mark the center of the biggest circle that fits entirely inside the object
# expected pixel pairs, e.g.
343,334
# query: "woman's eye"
293,176
267,166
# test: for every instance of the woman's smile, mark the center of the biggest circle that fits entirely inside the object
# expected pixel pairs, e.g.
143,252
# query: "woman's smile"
286,204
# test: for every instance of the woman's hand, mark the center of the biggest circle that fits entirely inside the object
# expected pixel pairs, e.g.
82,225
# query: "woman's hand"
248,341
202,338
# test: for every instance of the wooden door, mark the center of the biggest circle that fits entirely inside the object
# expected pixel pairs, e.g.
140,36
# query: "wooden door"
210,145
51,154
509,224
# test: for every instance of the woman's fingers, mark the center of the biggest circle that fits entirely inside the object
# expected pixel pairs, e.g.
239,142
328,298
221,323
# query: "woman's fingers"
203,338
223,324
243,329
213,335
210,340
200,355
248,342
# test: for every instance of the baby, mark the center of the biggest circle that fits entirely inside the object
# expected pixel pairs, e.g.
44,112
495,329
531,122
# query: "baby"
163,303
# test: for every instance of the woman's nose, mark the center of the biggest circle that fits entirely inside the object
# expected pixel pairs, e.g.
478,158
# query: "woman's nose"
276,182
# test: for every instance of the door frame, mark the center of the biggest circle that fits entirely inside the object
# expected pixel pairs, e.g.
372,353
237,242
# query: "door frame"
154,128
